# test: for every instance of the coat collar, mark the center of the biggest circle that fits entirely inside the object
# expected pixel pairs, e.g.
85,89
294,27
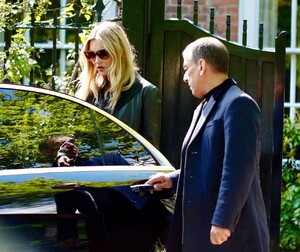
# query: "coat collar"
128,94
199,120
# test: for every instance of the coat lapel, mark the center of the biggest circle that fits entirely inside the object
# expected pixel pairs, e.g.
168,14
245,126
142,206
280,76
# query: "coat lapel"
128,94
202,119
193,125
197,122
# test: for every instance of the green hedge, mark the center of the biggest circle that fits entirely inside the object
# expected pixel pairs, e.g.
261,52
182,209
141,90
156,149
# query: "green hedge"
290,193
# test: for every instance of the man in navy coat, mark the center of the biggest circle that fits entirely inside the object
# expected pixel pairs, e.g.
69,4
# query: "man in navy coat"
219,205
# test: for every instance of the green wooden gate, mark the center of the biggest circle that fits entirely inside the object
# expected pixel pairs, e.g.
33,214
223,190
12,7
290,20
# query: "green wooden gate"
159,44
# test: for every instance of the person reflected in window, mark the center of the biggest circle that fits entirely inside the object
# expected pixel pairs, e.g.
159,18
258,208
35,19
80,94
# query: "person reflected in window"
62,151
110,80
68,155
135,228
116,219
50,146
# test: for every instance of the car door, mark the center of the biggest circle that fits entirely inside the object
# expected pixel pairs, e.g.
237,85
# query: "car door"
29,177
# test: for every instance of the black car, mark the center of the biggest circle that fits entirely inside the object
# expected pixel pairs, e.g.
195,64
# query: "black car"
29,178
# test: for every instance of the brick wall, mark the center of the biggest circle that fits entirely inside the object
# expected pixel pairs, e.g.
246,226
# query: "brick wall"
222,9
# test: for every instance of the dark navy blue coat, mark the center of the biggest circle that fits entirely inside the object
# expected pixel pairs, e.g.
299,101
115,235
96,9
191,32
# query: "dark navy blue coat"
218,182
107,159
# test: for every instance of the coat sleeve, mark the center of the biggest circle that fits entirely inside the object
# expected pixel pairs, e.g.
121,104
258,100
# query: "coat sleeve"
175,177
241,160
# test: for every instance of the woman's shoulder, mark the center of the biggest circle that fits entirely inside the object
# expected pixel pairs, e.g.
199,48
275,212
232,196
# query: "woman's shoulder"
145,84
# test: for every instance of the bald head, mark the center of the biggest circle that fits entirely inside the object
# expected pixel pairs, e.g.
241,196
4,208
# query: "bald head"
212,50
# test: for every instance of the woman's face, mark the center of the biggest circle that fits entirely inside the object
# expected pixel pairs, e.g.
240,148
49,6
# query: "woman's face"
102,61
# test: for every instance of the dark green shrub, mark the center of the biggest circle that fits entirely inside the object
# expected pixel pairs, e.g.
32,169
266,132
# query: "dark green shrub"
290,194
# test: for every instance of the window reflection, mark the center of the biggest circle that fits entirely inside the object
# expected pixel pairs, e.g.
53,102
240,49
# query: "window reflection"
28,118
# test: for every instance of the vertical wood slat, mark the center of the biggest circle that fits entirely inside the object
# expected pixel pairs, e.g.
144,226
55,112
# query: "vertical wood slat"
179,8
228,25
171,95
267,78
196,12
244,33
212,21
278,112
261,34
253,79
141,12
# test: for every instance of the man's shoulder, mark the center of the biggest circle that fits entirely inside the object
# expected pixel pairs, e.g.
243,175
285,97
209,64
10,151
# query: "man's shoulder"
236,97
234,91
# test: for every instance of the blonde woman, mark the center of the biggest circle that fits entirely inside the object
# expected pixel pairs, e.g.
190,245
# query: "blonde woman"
109,80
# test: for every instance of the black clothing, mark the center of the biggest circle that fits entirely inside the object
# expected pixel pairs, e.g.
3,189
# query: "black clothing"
117,220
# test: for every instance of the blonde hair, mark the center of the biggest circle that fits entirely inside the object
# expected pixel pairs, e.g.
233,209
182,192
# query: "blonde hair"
122,70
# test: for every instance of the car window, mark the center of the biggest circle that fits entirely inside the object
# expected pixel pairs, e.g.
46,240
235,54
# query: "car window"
28,118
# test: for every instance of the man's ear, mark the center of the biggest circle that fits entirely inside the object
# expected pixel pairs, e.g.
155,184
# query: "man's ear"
202,65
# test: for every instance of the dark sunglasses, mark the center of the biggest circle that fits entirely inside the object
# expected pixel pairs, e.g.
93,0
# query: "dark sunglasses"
102,54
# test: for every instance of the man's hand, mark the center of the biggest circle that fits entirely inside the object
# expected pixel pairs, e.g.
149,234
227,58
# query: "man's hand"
160,181
67,153
218,235
65,161
69,149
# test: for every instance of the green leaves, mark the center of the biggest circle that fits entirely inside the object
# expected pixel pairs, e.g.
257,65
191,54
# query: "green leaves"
21,17
291,138
290,193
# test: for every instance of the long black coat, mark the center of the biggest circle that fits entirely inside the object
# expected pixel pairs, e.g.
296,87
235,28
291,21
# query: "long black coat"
219,180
